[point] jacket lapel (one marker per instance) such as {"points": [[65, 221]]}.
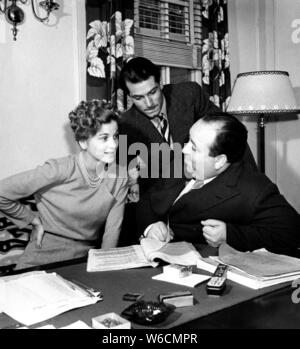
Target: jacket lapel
{"points": [[149, 131], [176, 111], [162, 200], [212, 194]]}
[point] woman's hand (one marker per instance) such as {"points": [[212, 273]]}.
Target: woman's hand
{"points": [[37, 231]]}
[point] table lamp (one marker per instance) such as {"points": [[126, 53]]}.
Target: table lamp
{"points": [[262, 93]]}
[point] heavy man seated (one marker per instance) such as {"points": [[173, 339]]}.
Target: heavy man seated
{"points": [[224, 200]]}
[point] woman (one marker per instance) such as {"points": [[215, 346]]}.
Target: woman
{"points": [[80, 198]]}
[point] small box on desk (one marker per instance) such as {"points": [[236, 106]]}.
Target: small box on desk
{"points": [[110, 321], [177, 270], [178, 299]]}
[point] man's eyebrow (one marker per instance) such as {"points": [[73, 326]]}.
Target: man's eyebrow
{"points": [[154, 88]]}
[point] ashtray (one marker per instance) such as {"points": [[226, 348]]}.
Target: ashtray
{"points": [[146, 313]]}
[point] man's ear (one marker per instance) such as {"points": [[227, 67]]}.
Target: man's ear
{"points": [[221, 161], [83, 145]]}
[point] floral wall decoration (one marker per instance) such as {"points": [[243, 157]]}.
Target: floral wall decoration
{"points": [[215, 52], [109, 45]]}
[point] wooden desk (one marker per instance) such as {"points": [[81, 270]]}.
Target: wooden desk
{"points": [[268, 308], [274, 310]]}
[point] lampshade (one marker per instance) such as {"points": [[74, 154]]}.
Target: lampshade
{"points": [[266, 92]]}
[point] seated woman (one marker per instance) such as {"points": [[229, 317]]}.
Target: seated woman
{"points": [[80, 198]]}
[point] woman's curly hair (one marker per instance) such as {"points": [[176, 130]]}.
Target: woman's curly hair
{"points": [[87, 118]]}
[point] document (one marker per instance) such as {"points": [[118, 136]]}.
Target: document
{"points": [[257, 269], [143, 255], [78, 325], [261, 263], [37, 296], [190, 280]]}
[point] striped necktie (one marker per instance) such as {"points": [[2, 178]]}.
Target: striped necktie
{"points": [[163, 125]]}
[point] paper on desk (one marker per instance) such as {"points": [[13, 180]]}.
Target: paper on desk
{"points": [[189, 281], [259, 263], [76, 326], [46, 327], [33, 297]]}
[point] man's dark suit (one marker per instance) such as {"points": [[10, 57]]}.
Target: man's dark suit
{"points": [[256, 214]]}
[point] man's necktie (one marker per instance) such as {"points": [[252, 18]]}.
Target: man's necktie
{"points": [[164, 128]]}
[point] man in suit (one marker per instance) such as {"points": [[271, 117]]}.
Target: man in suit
{"points": [[224, 201]]}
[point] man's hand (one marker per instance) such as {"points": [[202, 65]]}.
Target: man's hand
{"points": [[214, 231], [160, 231], [37, 231]]}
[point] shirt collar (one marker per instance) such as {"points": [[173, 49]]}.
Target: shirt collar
{"points": [[205, 181], [208, 180]]}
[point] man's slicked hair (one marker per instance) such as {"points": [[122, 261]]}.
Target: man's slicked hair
{"points": [[138, 69], [231, 137]]}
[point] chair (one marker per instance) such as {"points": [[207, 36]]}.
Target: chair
{"points": [[13, 240]]}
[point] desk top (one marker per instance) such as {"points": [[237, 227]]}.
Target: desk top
{"points": [[207, 312]]}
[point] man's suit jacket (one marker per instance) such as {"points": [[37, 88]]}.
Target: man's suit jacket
{"points": [[256, 214], [186, 103]]}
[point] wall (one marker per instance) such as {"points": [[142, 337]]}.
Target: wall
{"points": [[265, 35], [42, 78]]}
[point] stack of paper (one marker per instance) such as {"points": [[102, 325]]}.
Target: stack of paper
{"points": [[255, 269], [37, 296]]}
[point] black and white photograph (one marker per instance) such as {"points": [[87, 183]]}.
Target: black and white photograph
{"points": [[150, 176]]}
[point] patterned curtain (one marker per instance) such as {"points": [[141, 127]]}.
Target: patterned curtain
{"points": [[215, 51], [110, 43]]}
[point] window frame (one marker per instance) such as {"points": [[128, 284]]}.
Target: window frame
{"points": [[164, 18]]}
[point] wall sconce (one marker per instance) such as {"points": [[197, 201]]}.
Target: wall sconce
{"points": [[15, 15]]}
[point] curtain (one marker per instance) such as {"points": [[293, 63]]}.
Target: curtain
{"points": [[215, 52], [109, 44]]}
